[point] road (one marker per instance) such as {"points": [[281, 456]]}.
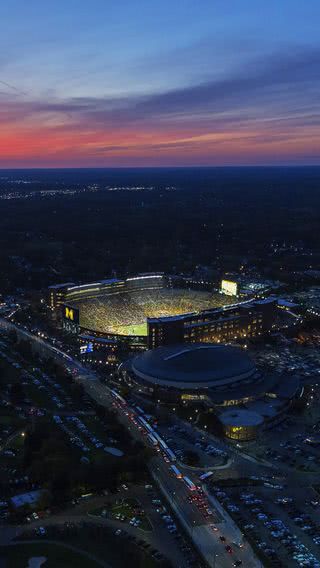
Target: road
{"points": [[205, 540]]}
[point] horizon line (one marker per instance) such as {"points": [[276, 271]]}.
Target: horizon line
{"points": [[231, 166]]}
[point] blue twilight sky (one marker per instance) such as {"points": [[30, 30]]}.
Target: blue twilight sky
{"points": [[159, 83]]}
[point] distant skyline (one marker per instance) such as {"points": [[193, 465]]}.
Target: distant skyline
{"points": [[145, 83]]}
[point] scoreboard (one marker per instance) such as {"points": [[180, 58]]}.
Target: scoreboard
{"points": [[229, 287]]}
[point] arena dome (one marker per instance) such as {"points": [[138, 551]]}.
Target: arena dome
{"points": [[194, 366]]}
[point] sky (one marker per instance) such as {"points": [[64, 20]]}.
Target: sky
{"points": [[104, 83]]}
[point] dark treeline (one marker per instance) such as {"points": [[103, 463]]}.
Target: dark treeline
{"points": [[215, 217]]}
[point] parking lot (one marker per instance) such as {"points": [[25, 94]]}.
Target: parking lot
{"points": [[284, 525], [182, 441], [81, 436], [290, 359], [294, 444]]}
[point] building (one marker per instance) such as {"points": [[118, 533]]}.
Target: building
{"points": [[199, 371], [243, 320], [99, 350], [84, 309], [216, 376], [57, 295], [240, 424], [23, 499]]}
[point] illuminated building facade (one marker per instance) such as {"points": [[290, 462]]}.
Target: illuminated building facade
{"points": [[241, 425], [220, 325], [99, 351], [57, 295]]}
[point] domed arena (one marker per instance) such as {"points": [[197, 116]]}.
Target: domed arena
{"points": [[220, 374], [199, 365]]}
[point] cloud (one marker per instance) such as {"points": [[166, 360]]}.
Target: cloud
{"points": [[264, 81], [270, 105], [276, 80]]}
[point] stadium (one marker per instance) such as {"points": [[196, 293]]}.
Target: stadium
{"points": [[124, 308], [150, 310], [127, 313]]}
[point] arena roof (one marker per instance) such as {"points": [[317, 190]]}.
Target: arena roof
{"points": [[257, 385], [194, 365], [58, 286], [240, 418]]}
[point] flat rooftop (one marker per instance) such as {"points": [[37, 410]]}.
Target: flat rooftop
{"points": [[240, 417], [26, 498]]}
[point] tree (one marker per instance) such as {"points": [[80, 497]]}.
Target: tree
{"points": [[24, 347], [191, 458], [44, 500], [13, 336], [17, 393], [61, 487]]}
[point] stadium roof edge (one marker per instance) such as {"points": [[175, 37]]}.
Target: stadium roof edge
{"points": [[64, 285]]}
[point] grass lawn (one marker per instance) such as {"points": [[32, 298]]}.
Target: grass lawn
{"points": [[99, 541], [116, 550], [98, 512], [17, 556], [9, 419], [138, 329], [17, 443]]}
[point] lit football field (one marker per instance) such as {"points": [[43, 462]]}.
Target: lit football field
{"points": [[139, 329]]}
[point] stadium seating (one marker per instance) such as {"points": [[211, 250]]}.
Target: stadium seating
{"points": [[119, 313]]}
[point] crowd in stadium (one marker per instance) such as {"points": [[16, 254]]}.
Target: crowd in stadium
{"points": [[112, 314]]}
